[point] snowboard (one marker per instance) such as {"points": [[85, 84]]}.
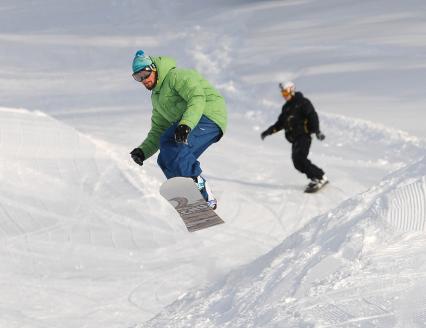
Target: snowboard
{"points": [[183, 194], [310, 189]]}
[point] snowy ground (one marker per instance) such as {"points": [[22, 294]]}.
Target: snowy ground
{"points": [[85, 237]]}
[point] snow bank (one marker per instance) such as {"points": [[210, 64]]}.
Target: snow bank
{"points": [[71, 223], [352, 265]]}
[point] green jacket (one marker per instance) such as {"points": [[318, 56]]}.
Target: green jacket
{"points": [[181, 95]]}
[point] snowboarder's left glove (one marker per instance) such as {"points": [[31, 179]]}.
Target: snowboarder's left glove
{"points": [[320, 136], [181, 133], [138, 156]]}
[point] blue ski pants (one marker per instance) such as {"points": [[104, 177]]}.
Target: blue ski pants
{"points": [[181, 160]]}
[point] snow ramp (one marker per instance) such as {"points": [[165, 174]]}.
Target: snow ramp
{"points": [[74, 230]]}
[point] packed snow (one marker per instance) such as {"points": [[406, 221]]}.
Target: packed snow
{"points": [[86, 240]]}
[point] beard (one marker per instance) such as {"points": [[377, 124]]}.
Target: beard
{"points": [[150, 86]]}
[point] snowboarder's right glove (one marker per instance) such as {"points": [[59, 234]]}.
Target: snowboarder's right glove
{"points": [[320, 136], [138, 156], [267, 132], [181, 133]]}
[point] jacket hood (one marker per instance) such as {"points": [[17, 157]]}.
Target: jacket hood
{"points": [[164, 64], [298, 95]]}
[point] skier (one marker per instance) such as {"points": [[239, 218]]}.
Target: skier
{"points": [[188, 115], [299, 120]]}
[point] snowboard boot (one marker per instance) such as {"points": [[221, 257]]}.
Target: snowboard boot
{"points": [[205, 191], [321, 182], [316, 184]]}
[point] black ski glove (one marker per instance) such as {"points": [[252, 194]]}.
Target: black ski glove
{"points": [[267, 132], [181, 133], [138, 156], [320, 136]]}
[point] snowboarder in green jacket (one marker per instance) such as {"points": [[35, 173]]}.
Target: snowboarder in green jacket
{"points": [[188, 115]]}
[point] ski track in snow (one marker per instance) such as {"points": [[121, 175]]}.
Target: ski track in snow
{"points": [[405, 208]]}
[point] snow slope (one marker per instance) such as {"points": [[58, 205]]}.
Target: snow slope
{"points": [[79, 221], [360, 265], [86, 239]]}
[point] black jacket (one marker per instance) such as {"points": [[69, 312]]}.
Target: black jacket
{"points": [[298, 117]]}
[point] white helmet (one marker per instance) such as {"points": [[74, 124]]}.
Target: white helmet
{"points": [[289, 87]]}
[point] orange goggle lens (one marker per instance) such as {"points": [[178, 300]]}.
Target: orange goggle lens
{"points": [[286, 92]]}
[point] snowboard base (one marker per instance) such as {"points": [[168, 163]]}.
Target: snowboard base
{"points": [[184, 196]]}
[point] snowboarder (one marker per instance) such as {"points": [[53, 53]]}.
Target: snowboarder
{"points": [[299, 120], [188, 115]]}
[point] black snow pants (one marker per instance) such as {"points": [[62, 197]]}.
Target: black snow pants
{"points": [[299, 155]]}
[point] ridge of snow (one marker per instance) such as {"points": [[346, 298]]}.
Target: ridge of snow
{"points": [[316, 274]]}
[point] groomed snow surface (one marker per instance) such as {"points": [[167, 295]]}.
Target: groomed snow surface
{"points": [[86, 240]]}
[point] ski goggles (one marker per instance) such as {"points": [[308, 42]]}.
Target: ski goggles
{"points": [[142, 75]]}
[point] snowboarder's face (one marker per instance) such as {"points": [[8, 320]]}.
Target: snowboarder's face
{"points": [[150, 81], [286, 94]]}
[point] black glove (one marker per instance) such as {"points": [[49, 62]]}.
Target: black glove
{"points": [[181, 133], [320, 136], [267, 132], [138, 156]]}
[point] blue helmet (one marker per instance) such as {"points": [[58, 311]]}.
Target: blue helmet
{"points": [[141, 61]]}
